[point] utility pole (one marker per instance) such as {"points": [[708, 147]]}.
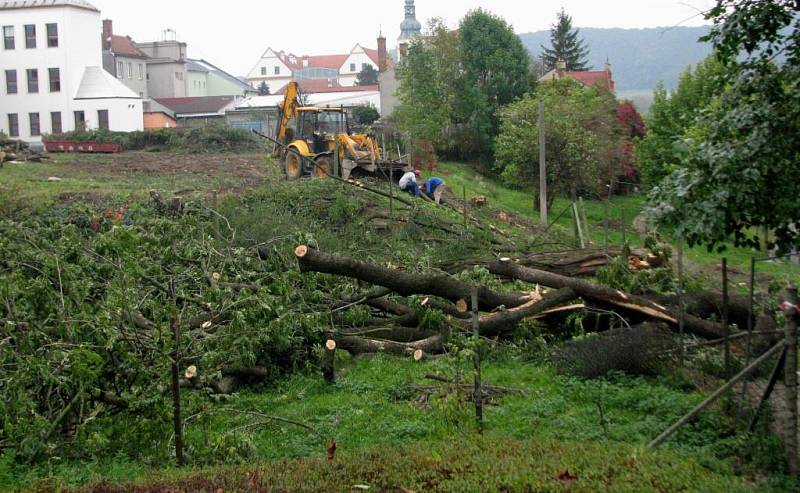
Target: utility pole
{"points": [[542, 167]]}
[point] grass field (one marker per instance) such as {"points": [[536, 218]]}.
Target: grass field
{"points": [[622, 210], [389, 438]]}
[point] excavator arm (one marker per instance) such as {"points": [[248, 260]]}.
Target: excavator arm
{"points": [[288, 109]]}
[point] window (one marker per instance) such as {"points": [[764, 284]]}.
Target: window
{"points": [[120, 70], [277, 70], [130, 70], [8, 37], [141, 71], [52, 35], [13, 125], [80, 120], [55, 123], [33, 80], [35, 127], [11, 81], [55, 79], [30, 36], [352, 67], [102, 119], [263, 70]]}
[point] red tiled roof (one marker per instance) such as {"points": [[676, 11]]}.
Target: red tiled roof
{"points": [[595, 78], [124, 45], [322, 85], [322, 61]]}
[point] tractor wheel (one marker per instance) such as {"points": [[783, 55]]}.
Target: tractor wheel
{"points": [[293, 164], [324, 167]]}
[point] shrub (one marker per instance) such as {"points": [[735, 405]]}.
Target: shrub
{"points": [[210, 138]]}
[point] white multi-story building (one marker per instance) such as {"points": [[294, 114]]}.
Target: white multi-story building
{"points": [[276, 68], [51, 75]]}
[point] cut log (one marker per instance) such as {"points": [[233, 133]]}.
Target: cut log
{"points": [[359, 345], [404, 283], [390, 333], [638, 304], [497, 323]]}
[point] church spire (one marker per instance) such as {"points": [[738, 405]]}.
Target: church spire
{"points": [[410, 27]]}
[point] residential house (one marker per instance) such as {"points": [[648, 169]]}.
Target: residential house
{"points": [[52, 76], [277, 68], [123, 59], [602, 79], [206, 79]]}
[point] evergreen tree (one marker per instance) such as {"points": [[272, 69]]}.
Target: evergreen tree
{"points": [[367, 77], [566, 45], [263, 89]]}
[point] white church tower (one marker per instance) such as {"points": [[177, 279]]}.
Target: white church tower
{"points": [[410, 28]]}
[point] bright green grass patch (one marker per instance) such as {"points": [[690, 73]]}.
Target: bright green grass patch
{"points": [[532, 438]]}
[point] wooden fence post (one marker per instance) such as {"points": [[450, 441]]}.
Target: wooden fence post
{"points": [[477, 395], [328, 361], [725, 318], [790, 381]]}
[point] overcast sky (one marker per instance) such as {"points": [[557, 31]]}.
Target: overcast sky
{"points": [[234, 33]]}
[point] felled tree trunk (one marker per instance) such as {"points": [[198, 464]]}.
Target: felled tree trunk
{"points": [[359, 345], [638, 304], [496, 323], [403, 283]]}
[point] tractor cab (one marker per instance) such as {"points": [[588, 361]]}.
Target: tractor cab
{"points": [[318, 127]]}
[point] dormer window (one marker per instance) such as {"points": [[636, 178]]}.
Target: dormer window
{"points": [[277, 70]]}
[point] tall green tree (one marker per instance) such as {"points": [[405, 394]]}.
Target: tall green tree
{"points": [[428, 75], [672, 114], [494, 72], [263, 89], [565, 44], [582, 135], [741, 173], [367, 77]]}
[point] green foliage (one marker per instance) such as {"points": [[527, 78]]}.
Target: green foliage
{"points": [[452, 85], [565, 45], [582, 137], [365, 114], [367, 77], [209, 138], [263, 89], [739, 173], [672, 114], [427, 90], [495, 72]]}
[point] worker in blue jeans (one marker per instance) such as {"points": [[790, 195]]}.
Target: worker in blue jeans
{"points": [[433, 188], [409, 184]]}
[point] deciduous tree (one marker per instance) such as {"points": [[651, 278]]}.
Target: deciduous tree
{"points": [[741, 171], [582, 135]]}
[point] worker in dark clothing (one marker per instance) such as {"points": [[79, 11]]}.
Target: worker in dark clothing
{"points": [[433, 188]]}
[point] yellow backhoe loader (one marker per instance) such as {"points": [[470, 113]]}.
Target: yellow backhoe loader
{"points": [[315, 141]]}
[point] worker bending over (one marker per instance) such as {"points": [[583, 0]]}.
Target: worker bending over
{"points": [[408, 182], [433, 189]]}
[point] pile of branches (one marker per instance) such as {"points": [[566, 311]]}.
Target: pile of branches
{"points": [[400, 330]]}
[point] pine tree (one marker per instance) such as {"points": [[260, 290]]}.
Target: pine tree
{"points": [[566, 45], [263, 89]]}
